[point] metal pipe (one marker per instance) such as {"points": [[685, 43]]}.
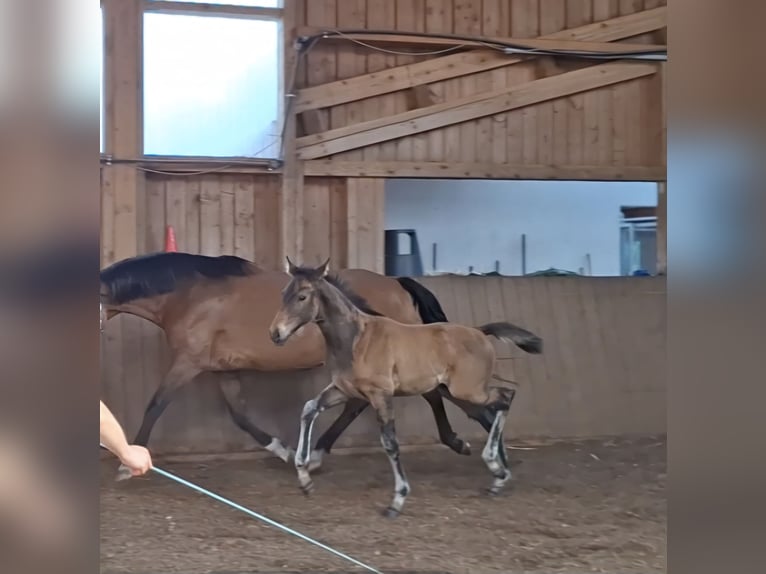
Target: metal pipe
{"points": [[523, 253]]}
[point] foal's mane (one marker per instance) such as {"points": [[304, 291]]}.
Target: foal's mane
{"points": [[333, 279], [160, 273]]}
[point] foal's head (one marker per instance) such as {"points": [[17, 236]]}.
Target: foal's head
{"points": [[300, 301]]}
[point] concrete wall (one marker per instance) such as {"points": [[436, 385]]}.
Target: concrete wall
{"points": [[478, 222], [602, 372]]}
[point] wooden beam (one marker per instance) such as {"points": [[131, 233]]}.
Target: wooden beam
{"points": [[292, 195], [662, 228], [202, 9], [438, 170], [456, 65], [124, 122], [469, 108]]}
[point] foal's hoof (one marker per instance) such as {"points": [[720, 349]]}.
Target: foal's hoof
{"points": [[123, 473], [390, 512], [307, 488]]}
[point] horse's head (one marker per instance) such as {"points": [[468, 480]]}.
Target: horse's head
{"points": [[300, 301]]}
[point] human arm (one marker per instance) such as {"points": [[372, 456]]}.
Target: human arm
{"points": [[135, 457]]}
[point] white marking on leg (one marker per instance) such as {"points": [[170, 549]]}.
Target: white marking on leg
{"points": [[491, 453], [278, 449]]}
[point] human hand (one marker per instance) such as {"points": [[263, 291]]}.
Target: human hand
{"points": [[137, 459]]}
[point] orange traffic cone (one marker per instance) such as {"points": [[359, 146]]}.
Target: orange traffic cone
{"points": [[170, 240]]}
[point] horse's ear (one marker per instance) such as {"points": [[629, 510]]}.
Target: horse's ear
{"points": [[324, 268], [289, 267]]}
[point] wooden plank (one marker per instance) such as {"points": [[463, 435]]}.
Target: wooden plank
{"points": [[227, 215], [438, 20], [175, 209], [662, 228], [467, 22], [451, 170], [525, 24], [317, 213], [551, 116], [353, 207], [244, 217], [496, 22], [368, 232], [218, 10], [107, 216], [381, 15], [477, 106], [210, 216], [156, 206], [456, 65], [338, 222], [267, 223], [579, 13], [193, 202], [352, 61]]}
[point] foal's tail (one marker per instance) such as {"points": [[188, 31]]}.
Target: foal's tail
{"points": [[427, 304], [522, 338]]}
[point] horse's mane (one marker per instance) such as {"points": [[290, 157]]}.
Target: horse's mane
{"points": [[334, 279], [160, 273]]}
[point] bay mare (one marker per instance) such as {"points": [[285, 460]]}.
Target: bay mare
{"points": [[375, 358], [215, 313]]}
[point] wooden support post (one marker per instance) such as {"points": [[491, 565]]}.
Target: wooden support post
{"points": [[291, 196], [662, 228], [124, 125]]}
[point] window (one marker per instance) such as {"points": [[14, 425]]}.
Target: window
{"points": [[638, 246], [212, 85]]}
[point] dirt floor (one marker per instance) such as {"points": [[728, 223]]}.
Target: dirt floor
{"points": [[596, 506]]}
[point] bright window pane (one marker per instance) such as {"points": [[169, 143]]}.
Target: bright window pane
{"points": [[257, 3], [211, 86]]}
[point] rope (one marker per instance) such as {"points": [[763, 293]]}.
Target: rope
{"points": [[261, 517]]}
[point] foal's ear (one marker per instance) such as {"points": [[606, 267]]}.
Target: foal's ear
{"points": [[289, 266], [324, 268]]}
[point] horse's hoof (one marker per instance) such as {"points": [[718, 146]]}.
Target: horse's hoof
{"points": [[465, 449], [308, 488], [390, 512], [492, 491], [315, 460], [123, 473]]}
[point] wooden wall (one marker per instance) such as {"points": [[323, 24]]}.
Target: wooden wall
{"points": [[602, 372], [618, 125], [239, 214]]}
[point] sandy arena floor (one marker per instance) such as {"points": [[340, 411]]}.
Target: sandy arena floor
{"points": [[596, 506]]}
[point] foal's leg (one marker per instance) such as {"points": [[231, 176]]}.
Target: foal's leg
{"points": [[383, 404], [446, 434], [355, 407], [500, 402], [231, 389], [351, 411], [180, 373], [329, 397]]}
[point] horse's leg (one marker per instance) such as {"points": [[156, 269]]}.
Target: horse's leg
{"points": [[484, 415], [180, 373], [351, 411], [446, 434], [491, 452], [329, 397], [383, 404], [231, 388]]}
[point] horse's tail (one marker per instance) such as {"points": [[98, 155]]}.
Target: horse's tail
{"points": [[427, 304], [522, 338]]}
